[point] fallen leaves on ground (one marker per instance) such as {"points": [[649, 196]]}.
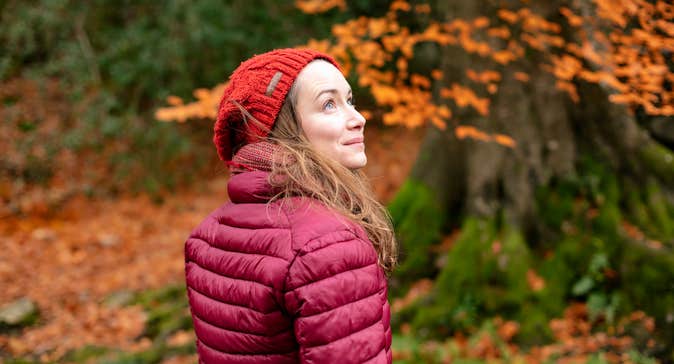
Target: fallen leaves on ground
{"points": [[71, 261]]}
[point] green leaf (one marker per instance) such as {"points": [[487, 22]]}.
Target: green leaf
{"points": [[583, 286], [596, 304]]}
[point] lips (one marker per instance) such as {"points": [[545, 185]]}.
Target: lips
{"points": [[354, 141]]}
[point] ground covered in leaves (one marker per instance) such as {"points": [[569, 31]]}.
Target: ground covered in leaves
{"points": [[107, 275]]}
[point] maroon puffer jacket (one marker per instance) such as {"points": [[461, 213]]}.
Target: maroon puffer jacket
{"points": [[285, 282]]}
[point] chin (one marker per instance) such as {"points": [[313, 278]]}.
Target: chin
{"points": [[356, 162]]}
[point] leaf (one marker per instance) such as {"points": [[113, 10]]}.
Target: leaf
{"points": [[319, 6], [174, 100], [418, 289], [463, 132], [536, 282], [583, 286], [573, 19], [596, 303], [507, 15], [521, 76], [598, 262], [400, 5], [422, 8], [500, 32]]}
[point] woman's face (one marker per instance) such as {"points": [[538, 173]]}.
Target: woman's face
{"points": [[328, 116]]}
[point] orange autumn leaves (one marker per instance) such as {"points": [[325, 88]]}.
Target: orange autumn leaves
{"points": [[380, 50], [205, 107], [631, 62], [315, 7]]}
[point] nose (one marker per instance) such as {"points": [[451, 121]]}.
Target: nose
{"points": [[356, 120]]}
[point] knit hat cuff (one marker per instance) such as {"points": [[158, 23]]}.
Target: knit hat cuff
{"points": [[259, 85]]}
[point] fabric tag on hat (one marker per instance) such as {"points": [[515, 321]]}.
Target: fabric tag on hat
{"points": [[272, 84]]}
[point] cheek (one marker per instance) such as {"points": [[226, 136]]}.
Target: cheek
{"points": [[322, 133]]}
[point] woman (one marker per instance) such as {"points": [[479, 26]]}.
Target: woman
{"points": [[293, 269]]}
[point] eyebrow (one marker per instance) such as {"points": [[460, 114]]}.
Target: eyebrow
{"points": [[331, 90]]}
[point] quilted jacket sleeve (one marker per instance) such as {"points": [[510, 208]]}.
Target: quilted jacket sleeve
{"points": [[336, 293]]}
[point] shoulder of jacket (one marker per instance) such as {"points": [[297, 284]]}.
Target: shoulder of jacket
{"points": [[245, 218], [325, 244], [250, 216], [310, 220]]}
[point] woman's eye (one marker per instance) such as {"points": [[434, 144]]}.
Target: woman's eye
{"points": [[329, 105], [351, 101]]}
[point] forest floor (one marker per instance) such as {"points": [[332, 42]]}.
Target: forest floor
{"points": [[89, 265]]}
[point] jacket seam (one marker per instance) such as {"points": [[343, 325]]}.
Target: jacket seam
{"points": [[218, 219], [290, 264], [331, 276], [249, 227], [226, 276], [299, 251], [237, 331], [228, 303], [244, 354], [345, 304], [377, 353], [345, 336], [235, 251], [345, 240]]}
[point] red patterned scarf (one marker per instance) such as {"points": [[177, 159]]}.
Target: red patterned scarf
{"points": [[254, 157]]}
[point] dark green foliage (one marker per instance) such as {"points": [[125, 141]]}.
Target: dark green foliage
{"points": [[418, 222], [117, 61], [484, 272], [167, 310], [144, 50], [85, 354], [660, 160], [20, 361], [588, 256]]}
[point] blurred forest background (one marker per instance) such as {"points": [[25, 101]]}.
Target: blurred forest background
{"points": [[525, 149]]}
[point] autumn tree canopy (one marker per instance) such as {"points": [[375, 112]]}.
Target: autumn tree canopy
{"points": [[622, 45]]}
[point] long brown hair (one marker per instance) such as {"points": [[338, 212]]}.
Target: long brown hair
{"points": [[300, 170]]}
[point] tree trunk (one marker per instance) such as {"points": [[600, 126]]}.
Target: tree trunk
{"points": [[585, 180]]}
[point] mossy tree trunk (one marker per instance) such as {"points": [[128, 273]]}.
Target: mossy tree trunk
{"points": [[585, 201]]}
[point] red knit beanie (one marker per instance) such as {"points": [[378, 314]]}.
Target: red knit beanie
{"points": [[260, 86]]}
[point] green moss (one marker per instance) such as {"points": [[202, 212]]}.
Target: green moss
{"points": [[580, 261], [485, 273], [659, 160], [556, 202], [559, 271], [534, 325], [609, 215], [167, 310], [661, 217], [152, 356], [636, 207], [418, 218], [648, 208], [647, 283], [84, 354], [19, 361], [516, 261], [467, 266], [586, 257]]}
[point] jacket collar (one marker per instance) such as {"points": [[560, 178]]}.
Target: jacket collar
{"points": [[250, 187]]}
